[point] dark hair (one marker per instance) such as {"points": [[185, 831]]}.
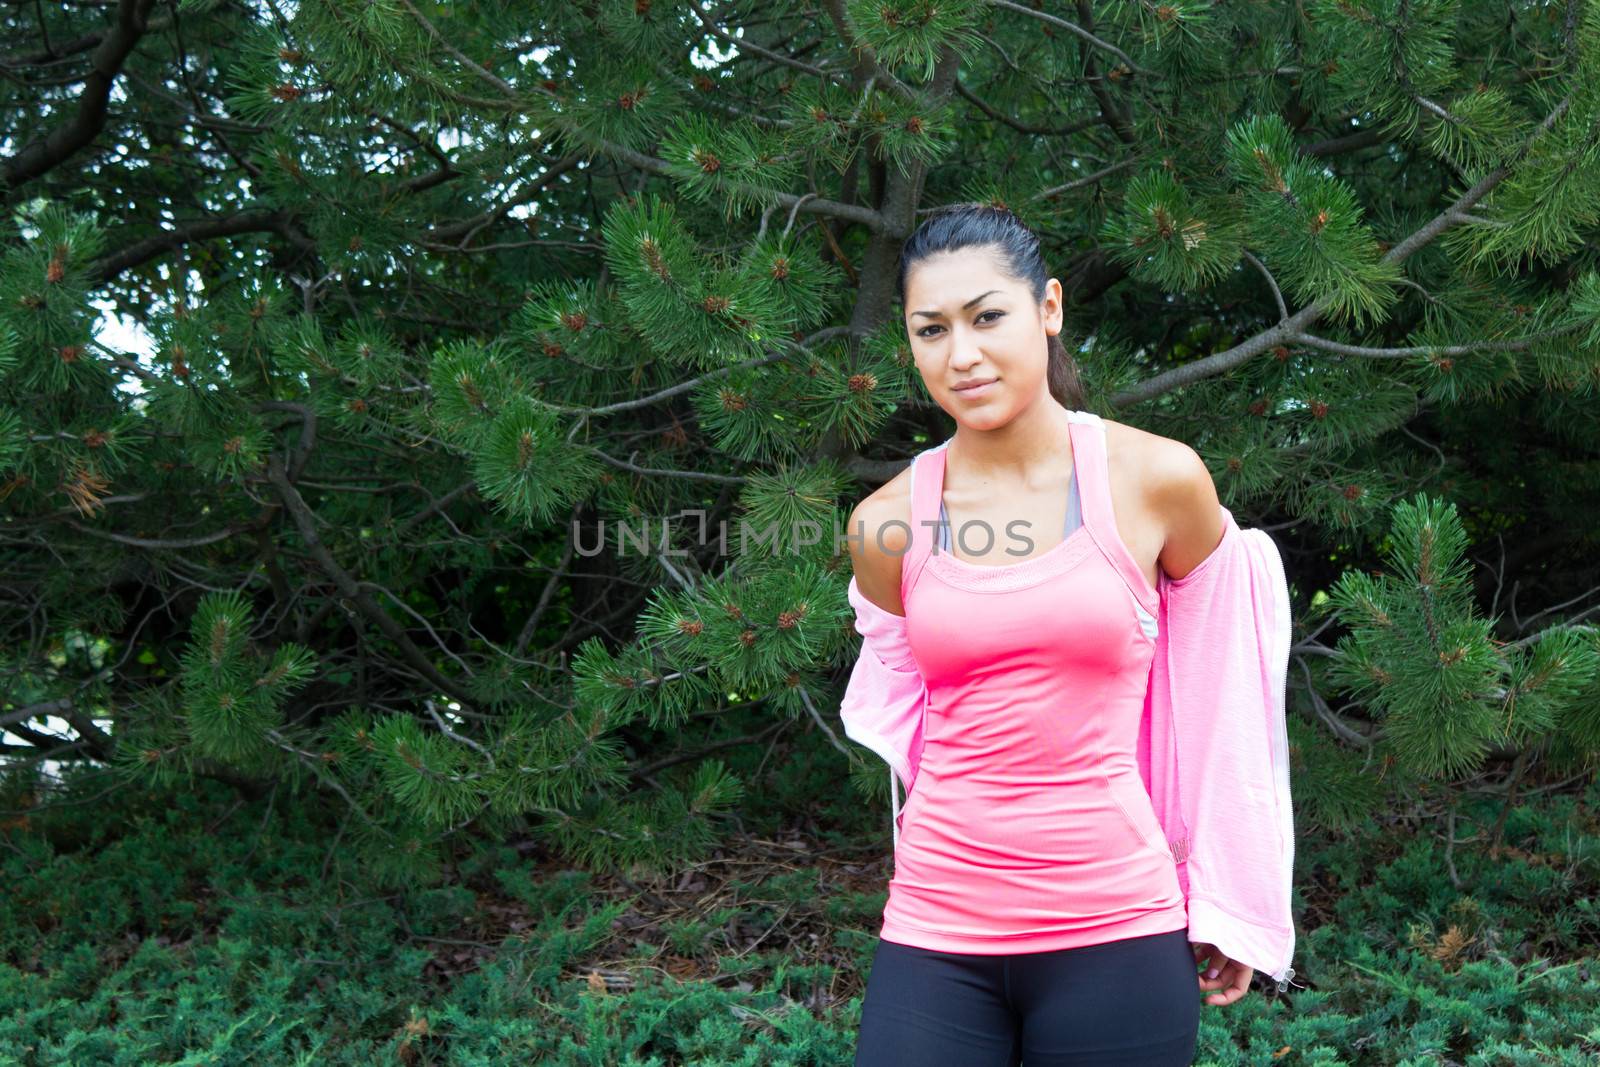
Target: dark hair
{"points": [[973, 225]]}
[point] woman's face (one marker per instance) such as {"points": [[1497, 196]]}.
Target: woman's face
{"points": [[968, 321]]}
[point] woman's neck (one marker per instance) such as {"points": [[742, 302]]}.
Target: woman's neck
{"points": [[1028, 448]]}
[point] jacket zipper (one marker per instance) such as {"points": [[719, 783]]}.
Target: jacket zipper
{"points": [[1280, 735]]}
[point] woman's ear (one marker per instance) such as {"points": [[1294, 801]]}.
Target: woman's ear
{"points": [[1052, 309]]}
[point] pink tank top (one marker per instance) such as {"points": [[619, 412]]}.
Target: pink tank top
{"points": [[1028, 827]]}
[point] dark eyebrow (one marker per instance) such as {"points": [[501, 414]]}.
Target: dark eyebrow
{"points": [[969, 303]]}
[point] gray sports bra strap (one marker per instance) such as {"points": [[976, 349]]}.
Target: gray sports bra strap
{"points": [[1073, 521]]}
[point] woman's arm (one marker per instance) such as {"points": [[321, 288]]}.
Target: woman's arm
{"points": [[877, 543], [1186, 498]]}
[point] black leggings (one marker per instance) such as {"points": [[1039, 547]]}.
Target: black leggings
{"points": [[1134, 1001]]}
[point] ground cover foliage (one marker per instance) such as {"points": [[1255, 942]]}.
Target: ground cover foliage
{"points": [[435, 296], [188, 926]]}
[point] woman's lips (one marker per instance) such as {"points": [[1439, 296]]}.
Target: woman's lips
{"points": [[976, 390]]}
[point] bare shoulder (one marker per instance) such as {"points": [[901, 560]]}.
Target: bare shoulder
{"points": [[879, 532], [1162, 466], [1177, 489]]}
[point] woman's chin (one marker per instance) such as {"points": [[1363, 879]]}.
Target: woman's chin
{"points": [[982, 417]]}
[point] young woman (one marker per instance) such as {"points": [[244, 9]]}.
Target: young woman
{"points": [[1034, 915]]}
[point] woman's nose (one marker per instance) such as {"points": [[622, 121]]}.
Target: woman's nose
{"points": [[964, 352]]}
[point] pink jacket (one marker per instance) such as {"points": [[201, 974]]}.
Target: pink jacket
{"points": [[1213, 745]]}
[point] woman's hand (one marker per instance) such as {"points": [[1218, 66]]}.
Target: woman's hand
{"points": [[1226, 979]]}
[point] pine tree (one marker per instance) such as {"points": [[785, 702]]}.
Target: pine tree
{"points": [[434, 290]]}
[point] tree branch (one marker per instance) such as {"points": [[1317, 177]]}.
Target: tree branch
{"points": [[39, 156], [57, 707], [1074, 28], [683, 386], [1088, 179], [1350, 142], [867, 65], [530, 626], [813, 205], [169, 543], [1341, 729], [1512, 345], [710, 23], [467, 228], [66, 49], [446, 169], [350, 589], [459, 56], [1277, 294], [1006, 120], [1290, 329], [700, 476], [128, 256], [1116, 119]]}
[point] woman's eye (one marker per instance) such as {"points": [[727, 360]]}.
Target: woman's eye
{"points": [[924, 331]]}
